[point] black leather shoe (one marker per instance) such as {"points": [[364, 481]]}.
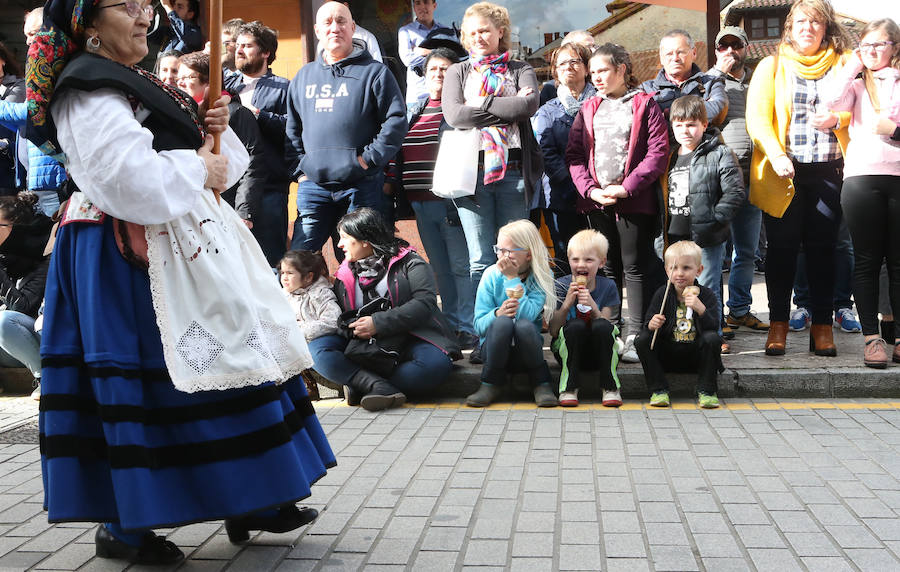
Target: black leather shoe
{"points": [[288, 518], [154, 550]]}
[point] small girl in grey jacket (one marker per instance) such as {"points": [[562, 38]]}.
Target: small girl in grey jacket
{"points": [[304, 277]]}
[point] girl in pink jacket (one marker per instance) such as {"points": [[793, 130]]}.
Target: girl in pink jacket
{"points": [[870, 196]]}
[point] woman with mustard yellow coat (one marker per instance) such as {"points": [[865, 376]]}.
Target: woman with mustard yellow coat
{"points": [[797, 164]]}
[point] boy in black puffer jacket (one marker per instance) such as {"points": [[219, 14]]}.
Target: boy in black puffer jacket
{"points": [[701, 190]]}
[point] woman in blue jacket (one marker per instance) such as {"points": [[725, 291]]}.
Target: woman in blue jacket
{"points": [[551, 125]]}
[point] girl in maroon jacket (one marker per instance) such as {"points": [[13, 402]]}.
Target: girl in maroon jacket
{"points": [[617, 179]]}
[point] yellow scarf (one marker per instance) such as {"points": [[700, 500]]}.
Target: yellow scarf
{"points": [[809, 67]]}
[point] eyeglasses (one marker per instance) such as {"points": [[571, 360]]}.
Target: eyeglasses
{"points": [[187, 77], [133, 9], [506, 251], [877, 46], [733, 45], [570, 64]]}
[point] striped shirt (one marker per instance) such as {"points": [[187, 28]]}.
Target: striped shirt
{"points": [[805, 143], [420, 149]]}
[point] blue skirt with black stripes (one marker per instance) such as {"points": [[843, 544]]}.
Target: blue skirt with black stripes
{"points": [[119, 443]]}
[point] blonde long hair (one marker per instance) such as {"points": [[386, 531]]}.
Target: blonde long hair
{"points": [[524, 234]]}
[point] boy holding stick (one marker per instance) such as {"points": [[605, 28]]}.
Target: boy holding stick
{"points": [[680, 330]]}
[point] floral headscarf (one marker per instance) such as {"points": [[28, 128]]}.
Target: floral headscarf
{"points": [[60, 37]]}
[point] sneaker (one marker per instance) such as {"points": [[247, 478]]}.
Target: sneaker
{"points": [[544, 397], [475, 356], [726, 348], [727, 332], [659, 399], [36, 394], [619, 345], [708, 400], [748, 320], [800, 319], [759, 266], [569, 398], [629, 354], [612, 398], [846, 320]]}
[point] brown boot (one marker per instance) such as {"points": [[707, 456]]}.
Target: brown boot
{"points": [[821, 340], [777, 339]]}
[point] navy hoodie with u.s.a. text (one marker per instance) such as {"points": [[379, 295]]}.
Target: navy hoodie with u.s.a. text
{"points": [[337, 112]]}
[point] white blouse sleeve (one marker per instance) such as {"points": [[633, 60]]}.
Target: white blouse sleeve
{"points": [[110, 157]]}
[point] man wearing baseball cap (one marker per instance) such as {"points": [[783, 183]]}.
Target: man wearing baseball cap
{"points": [[731, 51]]}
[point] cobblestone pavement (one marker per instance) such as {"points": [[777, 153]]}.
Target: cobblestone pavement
{"points": [[764, 485]]}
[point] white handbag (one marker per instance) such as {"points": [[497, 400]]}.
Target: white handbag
{"points": [[456, 168]]}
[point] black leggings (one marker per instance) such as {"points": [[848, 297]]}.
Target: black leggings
{"points": [[812, 219], [632, 256], [871, 204]]}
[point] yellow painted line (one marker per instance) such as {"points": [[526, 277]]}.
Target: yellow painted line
{"points": [[500, 406], [638, 405]]}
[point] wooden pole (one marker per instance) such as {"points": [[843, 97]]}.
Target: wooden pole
{"points": [[215, 64], [661, 308]]}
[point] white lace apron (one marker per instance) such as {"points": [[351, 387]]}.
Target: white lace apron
{"points": [[223, 319]]}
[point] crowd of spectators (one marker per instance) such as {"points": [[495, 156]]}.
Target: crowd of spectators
{"points": [[756, 166]]}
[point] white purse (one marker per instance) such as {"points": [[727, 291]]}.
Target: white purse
{"points": [[456, 168]]}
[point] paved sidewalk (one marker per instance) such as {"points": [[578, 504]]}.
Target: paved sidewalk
{"points": [[757, 485]]}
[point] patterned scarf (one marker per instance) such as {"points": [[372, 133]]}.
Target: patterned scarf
{"points": [[495, 138], [569, 102], [59, 38], [369, 272]]}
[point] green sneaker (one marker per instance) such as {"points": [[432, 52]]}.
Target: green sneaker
{"points": [[708, 400], [659, 399]]}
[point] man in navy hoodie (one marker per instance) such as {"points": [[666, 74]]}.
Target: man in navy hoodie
{"points": [[345, 120], [265, 94]]}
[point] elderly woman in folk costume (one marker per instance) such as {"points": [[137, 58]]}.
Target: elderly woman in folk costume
{"points": [[170, 385]]}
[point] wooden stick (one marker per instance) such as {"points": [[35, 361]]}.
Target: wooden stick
{"points": [[215, 65], [661, 308]]}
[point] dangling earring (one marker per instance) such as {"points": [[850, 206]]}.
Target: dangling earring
{"points": [[93, 43]]}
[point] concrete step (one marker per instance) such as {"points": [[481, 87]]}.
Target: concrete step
{"points": [[748, 373]]}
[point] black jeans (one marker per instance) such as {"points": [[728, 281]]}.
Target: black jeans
{"points": [[812, 219], [587, 348], [871, 204], [703, 356], [501, 356], [632, 258]]}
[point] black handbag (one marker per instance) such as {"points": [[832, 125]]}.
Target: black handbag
{"points": [[379, 354]]}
